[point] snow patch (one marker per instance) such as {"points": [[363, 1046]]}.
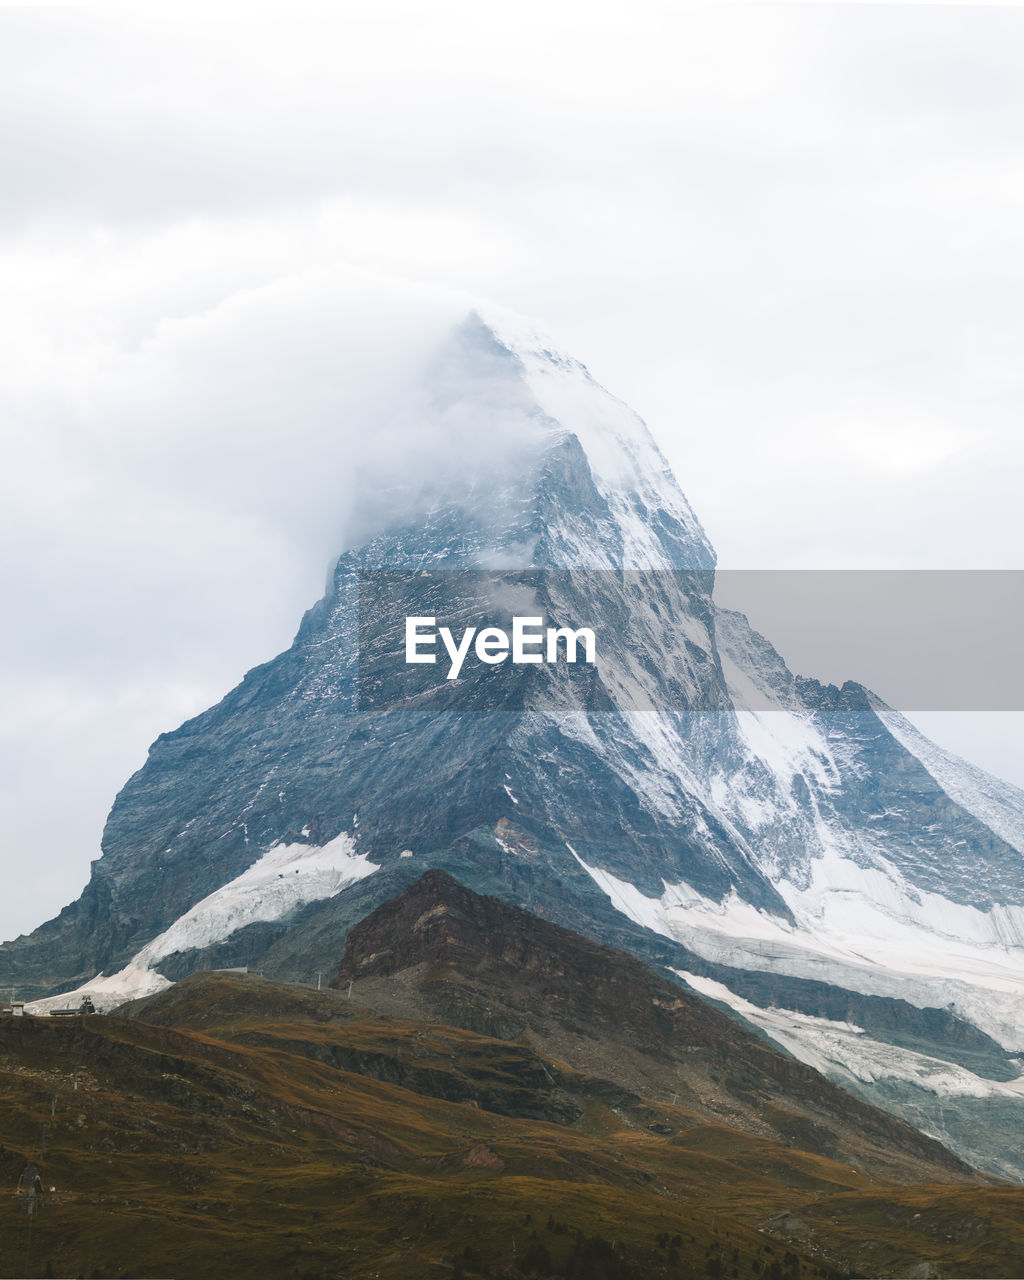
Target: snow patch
{"points": [[286, 877], [857, 928], [130, 983], [843, 1051]]}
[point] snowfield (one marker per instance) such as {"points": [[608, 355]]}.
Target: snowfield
{"points": [[129, 983], [286, 877], [841, 1050], [858, 930]]}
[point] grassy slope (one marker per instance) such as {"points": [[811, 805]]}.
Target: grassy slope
{"points": [[237, 1146]]}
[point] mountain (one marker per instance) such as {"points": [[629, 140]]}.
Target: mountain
{"points": [[795, 852]]}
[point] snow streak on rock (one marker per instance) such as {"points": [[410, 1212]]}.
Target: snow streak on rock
{"points": [[846, 1052]]}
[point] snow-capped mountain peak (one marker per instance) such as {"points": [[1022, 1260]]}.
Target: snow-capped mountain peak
{"points": [[686, 797]]}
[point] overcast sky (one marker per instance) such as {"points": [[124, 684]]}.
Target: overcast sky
{"points": [[790, 236]]}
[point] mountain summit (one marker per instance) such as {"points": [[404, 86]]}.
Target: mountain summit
{"points": [[794, 851]]}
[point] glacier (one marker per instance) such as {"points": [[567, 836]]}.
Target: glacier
{"points": [[284, 878], [845, 1052]]}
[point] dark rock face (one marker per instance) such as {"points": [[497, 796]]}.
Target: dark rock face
{"points": [[530, 965], [440, 951]]}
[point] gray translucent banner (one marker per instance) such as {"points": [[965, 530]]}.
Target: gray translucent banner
{"points": [[642, 640], [925, 640]]}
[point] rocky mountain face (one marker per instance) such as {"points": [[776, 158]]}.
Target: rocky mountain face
{"points": [[441, 953], [796, 852]]}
